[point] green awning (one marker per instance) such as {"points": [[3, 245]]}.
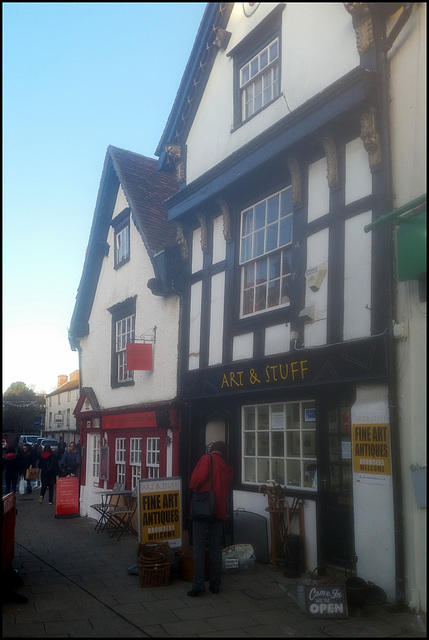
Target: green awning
{"points": [[410, 237]]}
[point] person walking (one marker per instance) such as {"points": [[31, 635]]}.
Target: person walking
{"points": [[27, 462], [70, 461], [49, 470], [12, 465], [210, 532]]}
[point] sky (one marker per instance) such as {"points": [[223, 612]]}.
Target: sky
{"points": [[77, 77]]}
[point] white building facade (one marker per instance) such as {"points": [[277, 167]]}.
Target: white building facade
{"points": [[288, 151]]}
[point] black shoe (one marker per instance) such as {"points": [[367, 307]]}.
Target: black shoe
{"points": [[195, 592], [29, 491], [214, 589]]}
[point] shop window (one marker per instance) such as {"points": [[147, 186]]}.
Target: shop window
{"points": [[279, 444], [120, 452], [266, 254], [152, 457], [135, 460]]}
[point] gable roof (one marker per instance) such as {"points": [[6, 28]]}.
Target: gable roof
{"points": [[194, 79], [146, 190]]}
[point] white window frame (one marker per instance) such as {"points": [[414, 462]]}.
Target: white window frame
{"points": [[260, 80], [124, 332], [135, 460], [266, 236], [153, 451], [279, 443], [120, 459], [96, 457], [122, 244]]}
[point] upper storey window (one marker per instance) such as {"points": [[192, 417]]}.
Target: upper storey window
{"points": [[265, 253], [121, 225], [257, 67], [260, 80]]}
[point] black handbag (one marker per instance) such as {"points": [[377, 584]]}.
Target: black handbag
{"points": [[203, 505]]}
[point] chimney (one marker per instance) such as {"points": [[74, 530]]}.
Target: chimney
{"points": [[62, 380]]}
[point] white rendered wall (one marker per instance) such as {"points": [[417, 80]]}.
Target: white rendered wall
{"points": [[357, 278], [216, 318], [317, 31], [373, 503], [114, 286], [408, 60], [317, 253]]}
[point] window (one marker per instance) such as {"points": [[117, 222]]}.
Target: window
{"points": [[135, 460], [152, 457], [122, 245], [68, 417], [121, 225], [266, 253], [96, 457], [120, 460], [123, 330], [279, 443], [68, 396], [260, 80], [124, 334]]}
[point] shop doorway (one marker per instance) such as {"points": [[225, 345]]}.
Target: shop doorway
{"points": [[335, 506]]}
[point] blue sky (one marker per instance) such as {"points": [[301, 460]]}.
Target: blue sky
{"points": [[76, 78]]}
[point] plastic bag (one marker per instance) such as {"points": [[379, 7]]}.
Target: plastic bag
{"points": [[22, 484]]}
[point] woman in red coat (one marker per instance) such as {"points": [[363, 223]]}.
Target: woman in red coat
{"points": [[210, 532]]}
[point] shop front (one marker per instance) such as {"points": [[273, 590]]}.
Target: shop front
{"points": [[316, 423]]}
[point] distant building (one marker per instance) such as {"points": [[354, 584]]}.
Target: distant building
{"points": [[60, 421]]}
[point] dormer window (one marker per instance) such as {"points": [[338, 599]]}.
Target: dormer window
{"points": [[121, 225]]}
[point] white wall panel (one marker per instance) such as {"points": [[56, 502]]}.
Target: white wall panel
{"points": [[195, 325], [357, 278], [216, 318], [358, 174]]}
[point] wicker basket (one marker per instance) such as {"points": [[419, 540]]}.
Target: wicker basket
{"points": [[154, 571]]}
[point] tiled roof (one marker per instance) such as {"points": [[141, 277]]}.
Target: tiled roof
{"points": [[146, 190]]}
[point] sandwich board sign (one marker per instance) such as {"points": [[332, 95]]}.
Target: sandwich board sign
{"points": [[160, 510]]}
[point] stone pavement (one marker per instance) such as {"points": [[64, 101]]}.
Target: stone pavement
{"points": [[78, 584]]}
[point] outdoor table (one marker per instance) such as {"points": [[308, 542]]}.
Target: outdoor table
{"points": [[108, 503]]}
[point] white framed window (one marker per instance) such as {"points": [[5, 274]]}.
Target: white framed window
{"points": [[153, 448], [124, 333], [96, 457], [260, 79], [135, 460], [122, 245], [68, 417], [266, 253], [120, 452], [279, 443]]}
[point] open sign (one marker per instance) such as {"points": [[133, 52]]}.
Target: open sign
{"points": [[326, 601]]}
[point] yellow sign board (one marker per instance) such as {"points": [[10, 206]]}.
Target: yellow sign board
{"points": [[371, 449], [160, 510]]}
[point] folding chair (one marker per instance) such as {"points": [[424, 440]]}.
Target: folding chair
{"points": [[120, 519], [106, 505]]}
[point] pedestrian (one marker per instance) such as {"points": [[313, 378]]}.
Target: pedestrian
{"points": [[12, 466], [49, 470], [210, 533], [61, 448], [70, 461], [28, 461]]}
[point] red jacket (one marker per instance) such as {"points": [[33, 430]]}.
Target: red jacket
{"points": [[222, 479]]}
